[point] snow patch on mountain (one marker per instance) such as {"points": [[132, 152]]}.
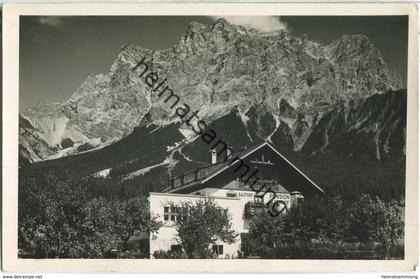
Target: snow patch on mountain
{"points": [[278, 121], [103, 173]]}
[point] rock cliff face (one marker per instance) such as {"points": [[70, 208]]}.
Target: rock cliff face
{"points": [[373, 127], [298, 94]]}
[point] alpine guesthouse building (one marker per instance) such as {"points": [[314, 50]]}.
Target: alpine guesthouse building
{"points": [[223, 181]]}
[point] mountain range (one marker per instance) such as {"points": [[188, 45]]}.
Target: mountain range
{"points": [[300, 95]]}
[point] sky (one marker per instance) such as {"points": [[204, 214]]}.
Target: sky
{"points": [[58, 53]]}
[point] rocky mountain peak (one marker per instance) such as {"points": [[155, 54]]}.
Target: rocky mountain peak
{"points": [[197, 27], [351, 46], [222, 24]]}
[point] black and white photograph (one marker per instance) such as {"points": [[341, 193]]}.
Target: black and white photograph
{"points": [[240, 137]]}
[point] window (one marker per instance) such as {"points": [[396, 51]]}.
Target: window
{"points": [[170, 213], [258, 199], [231, 194], [218, 249]]}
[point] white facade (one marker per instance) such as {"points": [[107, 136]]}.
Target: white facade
{"points": [[233, 200]]}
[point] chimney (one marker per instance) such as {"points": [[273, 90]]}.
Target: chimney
{"points": [[214, 156], [228, 152]]}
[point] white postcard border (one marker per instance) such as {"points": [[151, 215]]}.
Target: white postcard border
{"points": [[11, 13]]}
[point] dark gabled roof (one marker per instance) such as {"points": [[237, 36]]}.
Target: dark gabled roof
{"points": [[208, 172]]}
